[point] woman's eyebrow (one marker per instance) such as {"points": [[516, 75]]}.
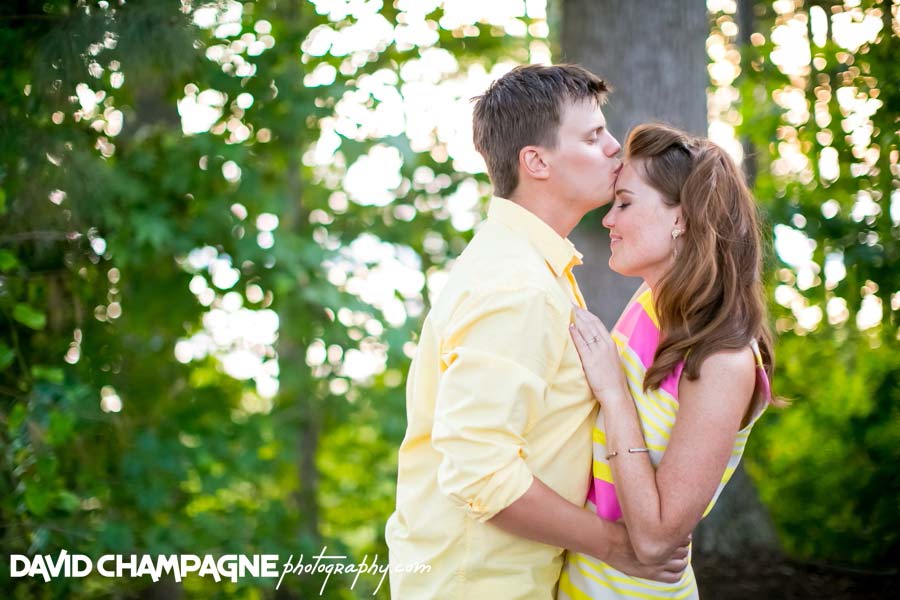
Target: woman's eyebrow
{"points": [[624, 191]]}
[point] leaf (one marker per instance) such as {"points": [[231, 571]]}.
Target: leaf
{"points": [[6, 356], [117, 536], [29, 316], [49, 374], [16, 417], [37, 499], [152, 230], [8, 260], [60, 427], [68, 501]]}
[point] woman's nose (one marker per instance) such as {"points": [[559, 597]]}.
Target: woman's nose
{"points": [[608, 221]]}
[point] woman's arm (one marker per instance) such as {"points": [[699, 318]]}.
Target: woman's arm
{"points": [[544, 516], [661, 506]]}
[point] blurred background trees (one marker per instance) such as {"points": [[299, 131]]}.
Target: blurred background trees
{"points": [[221, 224], [821, 116]]}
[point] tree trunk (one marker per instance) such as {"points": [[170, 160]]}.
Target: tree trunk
{"points": [[654, 55], [655, 59]]}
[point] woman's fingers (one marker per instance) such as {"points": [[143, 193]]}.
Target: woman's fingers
{"points": [[590, 320], [580, 344], [676, 565], [590, 327]]}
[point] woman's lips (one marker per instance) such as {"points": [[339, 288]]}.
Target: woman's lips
{"points": [[613, 239]]}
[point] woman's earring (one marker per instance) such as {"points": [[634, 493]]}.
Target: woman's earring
{"points": [[675, 234]]}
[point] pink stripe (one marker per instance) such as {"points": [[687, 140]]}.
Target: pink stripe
{"points": [[629, 318], [670, 383], [644, 339], [592, 494], [604, 498], [764, 383]]}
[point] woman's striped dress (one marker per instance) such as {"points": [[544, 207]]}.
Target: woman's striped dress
{"points": [[637, 336]]}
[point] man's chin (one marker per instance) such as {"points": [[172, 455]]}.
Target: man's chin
{"points": [[603, 200]]}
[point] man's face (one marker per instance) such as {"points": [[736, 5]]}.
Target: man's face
{"points": [[584, 163]]}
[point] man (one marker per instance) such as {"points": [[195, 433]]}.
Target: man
{"points": [[494, 468]]}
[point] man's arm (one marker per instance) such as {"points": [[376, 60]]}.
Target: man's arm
{"points": [[544, 516], [499, 350]]}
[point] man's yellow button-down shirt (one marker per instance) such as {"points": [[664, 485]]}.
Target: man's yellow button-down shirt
{"points": [[496, 396]]}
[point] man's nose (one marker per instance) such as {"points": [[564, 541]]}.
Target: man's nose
{"points": [[612, 146]]}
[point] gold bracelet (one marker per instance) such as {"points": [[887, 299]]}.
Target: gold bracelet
{"points": [[615, 453]]}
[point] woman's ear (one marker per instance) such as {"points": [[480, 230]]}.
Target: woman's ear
{"points": [[531, 161]]}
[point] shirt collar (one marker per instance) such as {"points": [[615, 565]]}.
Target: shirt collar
{"points": [[558, 251]]}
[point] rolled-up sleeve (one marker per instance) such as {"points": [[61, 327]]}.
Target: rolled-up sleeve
{"points": [[499, 350]]}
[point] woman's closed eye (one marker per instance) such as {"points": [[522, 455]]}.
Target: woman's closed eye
{"points": [[622, 205]]}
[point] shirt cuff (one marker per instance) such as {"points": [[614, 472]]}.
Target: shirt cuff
{"points": [[504, 487]]}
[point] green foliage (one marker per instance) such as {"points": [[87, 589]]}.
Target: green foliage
{"points": [[107, 443], [827, 465]]}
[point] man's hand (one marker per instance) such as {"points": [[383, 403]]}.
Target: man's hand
{"points": [[618, 553]]}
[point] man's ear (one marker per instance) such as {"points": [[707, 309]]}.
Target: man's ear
{"points": [[531, 160]]}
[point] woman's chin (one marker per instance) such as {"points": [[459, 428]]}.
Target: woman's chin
{"points": [[620, 269], [615, 268]]}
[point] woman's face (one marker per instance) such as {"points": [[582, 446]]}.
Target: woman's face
{"points": [[640, 227]]}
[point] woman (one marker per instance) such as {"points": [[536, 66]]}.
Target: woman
{"points": [[684, 375]]}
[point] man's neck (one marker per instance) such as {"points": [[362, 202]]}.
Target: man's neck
{"points": [[560, 217]]}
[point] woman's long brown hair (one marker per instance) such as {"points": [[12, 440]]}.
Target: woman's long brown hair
{"points": [[712, 296]]}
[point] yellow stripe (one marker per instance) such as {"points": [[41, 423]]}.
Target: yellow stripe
{"points": [[619, 339], [757, 354], [566, 586], [637, 381], [726, 476], [638, 394], [634, 593], [666, 403], [653, 411], [612, 574], [666, 418], [647, 412], [600, 438], [665, 398], [647, 302], [602, 471]]}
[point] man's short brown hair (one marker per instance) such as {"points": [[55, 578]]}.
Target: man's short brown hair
{"points": [[524, 108]]}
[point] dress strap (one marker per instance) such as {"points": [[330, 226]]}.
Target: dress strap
{"points": [[762, 380]]}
